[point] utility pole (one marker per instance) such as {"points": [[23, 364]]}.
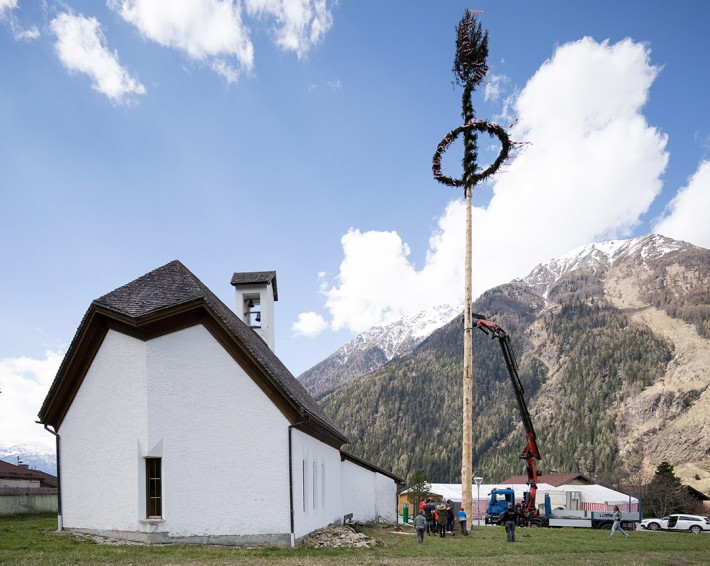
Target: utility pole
{"points": [[470, 69]]}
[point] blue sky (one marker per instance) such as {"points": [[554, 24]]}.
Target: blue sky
{"points": [[298, 136]]}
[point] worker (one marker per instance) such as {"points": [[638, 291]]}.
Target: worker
{"points": [[510, 519]]}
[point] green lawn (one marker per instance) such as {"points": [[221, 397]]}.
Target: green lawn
{"points": [[34, 540]]}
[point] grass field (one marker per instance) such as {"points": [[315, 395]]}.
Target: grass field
{"points": [[34, 540]]}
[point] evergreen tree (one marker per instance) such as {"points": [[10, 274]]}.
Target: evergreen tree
{"points": [[419, 488], [665, 493]]}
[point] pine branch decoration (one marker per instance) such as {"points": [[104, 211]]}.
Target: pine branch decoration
{"points": [[470, 69], [470, 66]]}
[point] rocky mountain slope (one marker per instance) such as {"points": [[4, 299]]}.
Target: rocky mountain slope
{"points": [[612, 344]]}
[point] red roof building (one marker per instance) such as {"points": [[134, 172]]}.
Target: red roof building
{"points": [[21, 476]]}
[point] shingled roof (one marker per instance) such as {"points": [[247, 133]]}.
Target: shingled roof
{"points": [[256, 278], [12, 472], [168, 299]]}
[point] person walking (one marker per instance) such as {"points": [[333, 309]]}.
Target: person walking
{"points": [[420, 524], [462, 521], [510, 519], [616, 517]]}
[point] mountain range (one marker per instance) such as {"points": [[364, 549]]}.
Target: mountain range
{"points": [[613, 350]]}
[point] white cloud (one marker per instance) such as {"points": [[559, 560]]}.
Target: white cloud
{"points": [[302, 23], [221, 67], [214, 31], [494, 86], [591, 170], [28, 34], [203, 29], [18, 32], [81, 47], [24, 383], [686, 216], [378, 284], [6, 6], [309, 324]]}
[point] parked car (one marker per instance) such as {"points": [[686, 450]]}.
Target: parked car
{"points": [[692, 523]]}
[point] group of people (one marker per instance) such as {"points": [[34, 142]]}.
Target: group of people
{"points": [[438, 519], [433, 519]]}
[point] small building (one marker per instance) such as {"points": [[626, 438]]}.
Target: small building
{"points": [[21, 476], [699, 499], [205, 434], [24, 491]]}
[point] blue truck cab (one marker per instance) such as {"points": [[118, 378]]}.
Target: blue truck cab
{"points": [[500, 498]]}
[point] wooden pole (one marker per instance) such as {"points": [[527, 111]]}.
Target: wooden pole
{"points": [[467, 441], [470, 68]]}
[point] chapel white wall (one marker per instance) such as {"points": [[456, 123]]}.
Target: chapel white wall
{"points": [[368, 495], [180, 397], [99, 435], [317, 480]]}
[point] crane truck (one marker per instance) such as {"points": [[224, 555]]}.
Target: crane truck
{"points": [[531, 452], [500, 497]]}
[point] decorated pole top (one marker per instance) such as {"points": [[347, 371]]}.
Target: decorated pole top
{"points": [[470, 65], [470, 69]]}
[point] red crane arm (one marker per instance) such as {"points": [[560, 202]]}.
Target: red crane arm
{"points": [[531, 452]]}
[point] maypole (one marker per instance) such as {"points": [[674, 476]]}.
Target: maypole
{"points": [[470, 68]]}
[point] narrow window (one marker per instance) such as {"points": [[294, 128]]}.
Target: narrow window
{"points": [[154, 488], [304, 486], [315, 483], [322, 483]]}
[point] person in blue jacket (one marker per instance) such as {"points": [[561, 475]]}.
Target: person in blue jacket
{"points": [[462, 521]]}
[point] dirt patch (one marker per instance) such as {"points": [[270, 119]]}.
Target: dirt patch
{"points": [[339, 537]]}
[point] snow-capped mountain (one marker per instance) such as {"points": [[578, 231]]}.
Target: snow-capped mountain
{"points": [[401, 336], [597, 258], [36, 456], [374, 348]]}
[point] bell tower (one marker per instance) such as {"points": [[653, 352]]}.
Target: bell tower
{"points": [[256, 295]]}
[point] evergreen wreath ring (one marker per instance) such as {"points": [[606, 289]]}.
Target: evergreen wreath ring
{"points": [[478, 126]]}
